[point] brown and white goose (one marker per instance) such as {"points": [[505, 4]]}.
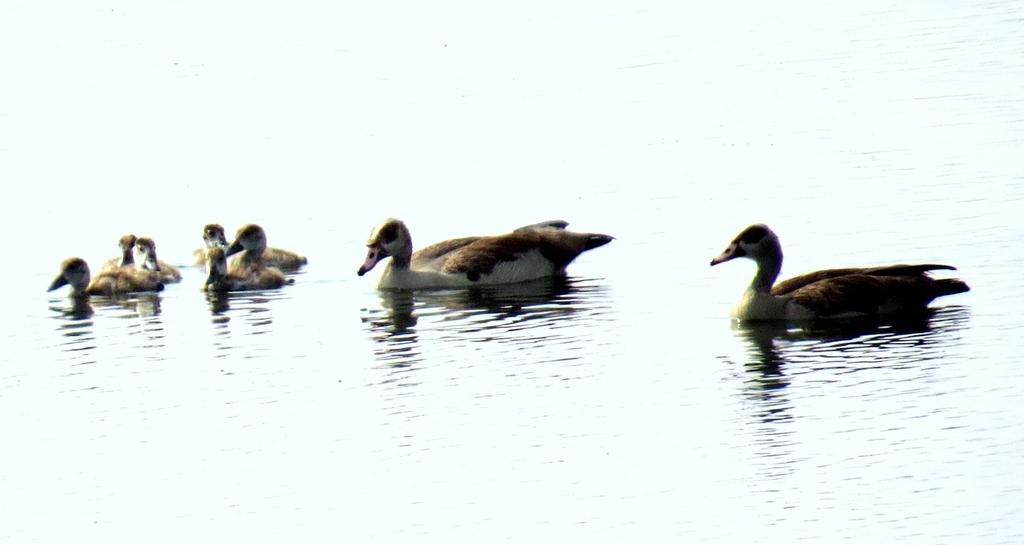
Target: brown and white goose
{"points": [[535, 251], [213, 237], [166, 272], [830, 293], [253, 240], [127, 259], [220, 279], [74, 271]]}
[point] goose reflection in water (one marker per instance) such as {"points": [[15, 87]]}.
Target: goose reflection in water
{"points": [[253, 308], [142, 304], [494, 311], [73, 308], [77, 329], [77, 326], [778, 352], [145, 304], [774, 346], [251, 302], [781, 359]]}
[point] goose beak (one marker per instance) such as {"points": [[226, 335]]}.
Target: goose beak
{"points": [[235, 247], [57, 282], [732, 252], [373, 255]]}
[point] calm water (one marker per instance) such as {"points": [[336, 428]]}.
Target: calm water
{"points": [[619, 405]]}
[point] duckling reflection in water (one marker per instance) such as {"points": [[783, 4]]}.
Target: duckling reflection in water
{"points": [[257, 277], [74, 271], [80, 309], [213, 237], [127, 259], [253, 240], [166, 272]]}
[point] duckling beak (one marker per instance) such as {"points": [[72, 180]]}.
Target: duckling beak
{"points": [[373, 255], [235, 247], [732, 252], [57, 282]]}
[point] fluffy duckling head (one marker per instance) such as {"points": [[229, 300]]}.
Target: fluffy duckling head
{"points": [[147, 248], [389, 239], [250, 238], [213, 236], [74, 271], [126, 243]]}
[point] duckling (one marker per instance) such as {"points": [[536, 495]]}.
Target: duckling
{"points": [[127, 259], [167, 272], [213, 237], [220, 279], [253, 240], [74, 271], [528, 253], [830, 293]]}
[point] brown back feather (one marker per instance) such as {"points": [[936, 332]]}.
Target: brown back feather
{"points": [[482, 254], [869, 292], [441, 248], [797, 282]]}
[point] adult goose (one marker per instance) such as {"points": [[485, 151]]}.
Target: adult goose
{"points": [[528, 253], [166, 272], [213, 237], [253, 240], [219, 279], [74, 271], [830, 293]]}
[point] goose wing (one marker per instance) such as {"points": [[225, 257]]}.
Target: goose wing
{"points": [[792, 284], [550, 224], [876, 290], [480, 255], [557, 246], [442, 249]]}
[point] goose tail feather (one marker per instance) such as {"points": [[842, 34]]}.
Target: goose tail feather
{"points": [[951, 286]]}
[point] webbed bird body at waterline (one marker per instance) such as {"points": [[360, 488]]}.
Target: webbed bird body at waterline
{"points": [[166, 272], [529, 253], [75, 272], [220, 279], [830, 293], [252, 239]]}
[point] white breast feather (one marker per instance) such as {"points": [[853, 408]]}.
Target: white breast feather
{"points": [[528, 266]]}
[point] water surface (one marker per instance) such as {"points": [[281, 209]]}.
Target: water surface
{"points": [[616, 405]]}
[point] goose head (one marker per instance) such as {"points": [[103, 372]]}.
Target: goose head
{"points": [[389, 239], [75, 272], [213, 236], [127, 245], [147, 249], [250, 238], [756, 242], [761, 245]]}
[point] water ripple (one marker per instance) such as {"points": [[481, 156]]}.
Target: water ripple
{"points": [[513, 325]]}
